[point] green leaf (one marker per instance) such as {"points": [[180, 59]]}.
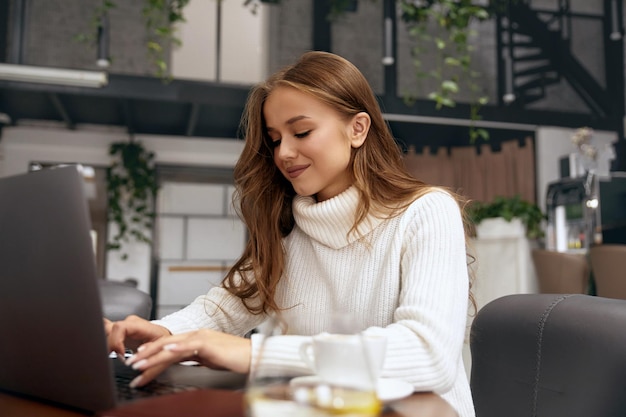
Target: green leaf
{"points": [[452, 61], [483, 133], [450, 86], [448, 102], [153, 46]]}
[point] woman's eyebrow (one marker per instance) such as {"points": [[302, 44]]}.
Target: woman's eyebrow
{"points": [[296, 118], [289, 122]]}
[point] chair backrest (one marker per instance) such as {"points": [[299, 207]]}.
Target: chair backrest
{"points": [[549, 355], [561, 273], [120, 300], [608, 263]]}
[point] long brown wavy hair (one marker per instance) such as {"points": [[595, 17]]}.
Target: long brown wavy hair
{"points": [[264, 197]]}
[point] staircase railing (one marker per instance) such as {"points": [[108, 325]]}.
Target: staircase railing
{"points": [[535, 52]]}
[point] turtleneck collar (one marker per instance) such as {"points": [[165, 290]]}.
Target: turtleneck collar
{"points": [[329, 221]]}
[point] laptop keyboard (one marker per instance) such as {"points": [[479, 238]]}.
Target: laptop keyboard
{"points": [[125, 375]]}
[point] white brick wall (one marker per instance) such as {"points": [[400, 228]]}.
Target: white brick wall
{"points": [[198, 239]]}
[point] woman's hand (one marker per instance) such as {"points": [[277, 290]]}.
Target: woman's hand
{"points": [[130, 333], [208, 347]]}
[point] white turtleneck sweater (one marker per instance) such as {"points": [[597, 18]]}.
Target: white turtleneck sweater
{"points": [[406, 278]]}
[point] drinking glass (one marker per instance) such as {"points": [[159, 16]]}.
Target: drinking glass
{"points": [[335, 377]]}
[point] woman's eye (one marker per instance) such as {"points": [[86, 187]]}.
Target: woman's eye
{"points": [[275, 143], [303, 134]]}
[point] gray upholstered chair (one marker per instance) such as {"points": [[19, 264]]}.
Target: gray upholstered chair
{"points": [[549, 355], [608, 263], [121, 299]]}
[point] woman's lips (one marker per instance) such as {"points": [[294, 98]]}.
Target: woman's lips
{"points": [[296, 170]]}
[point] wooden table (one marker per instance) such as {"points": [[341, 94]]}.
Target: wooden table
{"points": [[209, 403]]}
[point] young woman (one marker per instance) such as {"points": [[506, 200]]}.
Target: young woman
{"points": [[333, 219]]}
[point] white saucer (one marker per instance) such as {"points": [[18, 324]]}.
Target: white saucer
{"points": [[387, 389]]}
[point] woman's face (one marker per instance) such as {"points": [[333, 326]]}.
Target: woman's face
{"points": [[312, 142]]}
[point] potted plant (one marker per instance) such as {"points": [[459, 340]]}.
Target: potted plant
{"points": [[519, 217]]}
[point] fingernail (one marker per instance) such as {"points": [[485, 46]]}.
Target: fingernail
{"points": [[140, 348], [130, 360], [140, 364], [135, 382], [171, 346]]}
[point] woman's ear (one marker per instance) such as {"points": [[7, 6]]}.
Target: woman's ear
{"points": [[360, 127]]}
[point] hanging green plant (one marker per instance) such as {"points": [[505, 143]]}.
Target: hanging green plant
{"points": [[131, 190], [442, 26], [160, 18], [445, 27]]}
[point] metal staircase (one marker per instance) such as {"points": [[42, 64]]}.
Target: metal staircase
{"points": [[534, 53]]}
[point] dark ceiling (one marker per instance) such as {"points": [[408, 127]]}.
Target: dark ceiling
{"points": [[143, 105]]}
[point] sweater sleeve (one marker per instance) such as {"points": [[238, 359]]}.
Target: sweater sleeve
{"points": [[425, 340], [217, 310]]}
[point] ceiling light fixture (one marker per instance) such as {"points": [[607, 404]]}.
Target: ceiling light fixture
{"points": [[616, 33], [58, 76], [103, 42], [390, 10]]}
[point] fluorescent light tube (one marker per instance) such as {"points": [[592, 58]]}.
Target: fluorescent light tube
{"points": [[58, 76]]}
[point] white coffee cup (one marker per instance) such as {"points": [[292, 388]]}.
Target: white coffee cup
{"points": [[348, 360]]}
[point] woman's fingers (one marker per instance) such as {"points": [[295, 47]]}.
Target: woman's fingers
{"points": [[132, 332], [149, 372], [151, 350], [115, 339], [208, 347], [107, 325], [190, 352], [153, 358]]}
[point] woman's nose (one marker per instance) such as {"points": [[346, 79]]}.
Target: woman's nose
{"points": [[287, 149]]}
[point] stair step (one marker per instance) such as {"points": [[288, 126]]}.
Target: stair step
{"points": [[531, 98], [539, 82], [541, 56], [543, 69], [524, 30], [522, 44]]}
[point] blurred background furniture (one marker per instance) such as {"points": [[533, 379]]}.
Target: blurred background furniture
{"points": [[549, 355], [561, 272], [608, 263], [121, 299], [503, 266]]}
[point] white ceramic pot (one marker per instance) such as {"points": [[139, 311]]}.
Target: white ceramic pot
{"points": [[498, 227]]}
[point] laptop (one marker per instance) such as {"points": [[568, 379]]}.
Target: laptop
{"points": [[52, 341]]}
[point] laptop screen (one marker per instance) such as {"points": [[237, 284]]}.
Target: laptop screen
{"points": [[53, 345]]}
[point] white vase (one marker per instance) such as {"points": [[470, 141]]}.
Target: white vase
{"points": [[498, 227]]}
